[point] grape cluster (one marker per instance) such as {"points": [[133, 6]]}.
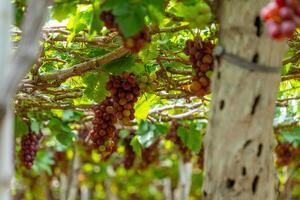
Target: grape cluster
{"points": [[109, 20], [183, 149], [138, 41], [124, 91], [129, 157], [150, 155], [104, 135], [200, 160], [200, 53], [134, 43], [282, 17], [285, 154], [148, 83], [61, 162], [29, 147]]}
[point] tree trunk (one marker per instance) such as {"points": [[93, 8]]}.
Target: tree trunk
{"points": [[239, 141], [72, 190], [185, 180], [167, 183], [63, 186], [11, 72], [84, 193], [6, 114]]}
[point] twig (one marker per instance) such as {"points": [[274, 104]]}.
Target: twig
{"points": [[176, 106], [289, 77], [81, 68]]}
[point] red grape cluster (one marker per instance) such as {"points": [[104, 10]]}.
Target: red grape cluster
{"points": [[109, 20], [125, 91], [61, 162], [104, 135], [150, 155], [138, 41], [200, 53], [282, 17], [129, 157], [183, 149], [285, 153], [134, 43], [29, 147], [200, 160]]}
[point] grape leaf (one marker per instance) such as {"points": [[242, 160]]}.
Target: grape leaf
{"points": [[35, 127], [95, 86], [43, 162], [65, 138], [137, 148], [62, 10], [21, 127]]}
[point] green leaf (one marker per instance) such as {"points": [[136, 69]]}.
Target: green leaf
{"points": [[111, 4], [194, 141], [123, 133], [96, 86], [126, 63], [21, 127], [65, 138], [71, 115], [292, 135], [286, 68], [197, 13], [43, 161], [35, 127], [96, 24], [130, 19], [143, 106], [147, 132], [191, 137], [55, 125], [182, 133], [136, 146], [61, 11], [157, 4]]}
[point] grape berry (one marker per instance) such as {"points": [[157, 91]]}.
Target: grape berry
{"points": [[282, 17]]}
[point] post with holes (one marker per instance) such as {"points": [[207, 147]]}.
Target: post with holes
{"points": [[239, 141], [6, 113]]}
